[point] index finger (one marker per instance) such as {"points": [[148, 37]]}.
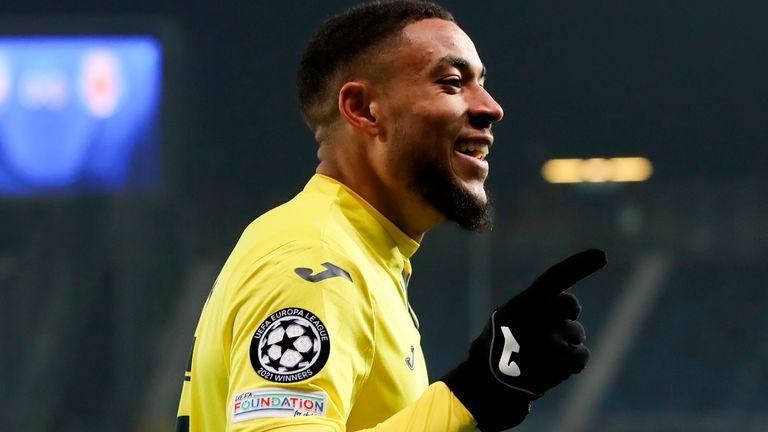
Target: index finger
{"points": [[566, 273]]}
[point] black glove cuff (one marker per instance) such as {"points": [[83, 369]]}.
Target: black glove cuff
{"points": [[494, 407]]}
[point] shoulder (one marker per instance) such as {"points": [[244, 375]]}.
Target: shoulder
{"points": [[305, 251], [307, 232], [312, 218]]}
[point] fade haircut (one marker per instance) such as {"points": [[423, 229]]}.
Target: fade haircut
{"points": [[340, 45]]}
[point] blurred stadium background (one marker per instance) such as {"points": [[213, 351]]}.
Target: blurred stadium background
{"points": [[102, 279]]}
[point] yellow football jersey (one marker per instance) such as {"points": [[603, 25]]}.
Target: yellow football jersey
{"points": [[309, 324]]}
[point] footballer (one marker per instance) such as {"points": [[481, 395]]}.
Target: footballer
{"points": [[308, 326]]}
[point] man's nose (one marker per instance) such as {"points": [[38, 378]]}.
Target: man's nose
{"points": [[484, 110]]}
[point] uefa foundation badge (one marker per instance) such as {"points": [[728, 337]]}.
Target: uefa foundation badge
{"points": [[291, 345], [275, 402]]}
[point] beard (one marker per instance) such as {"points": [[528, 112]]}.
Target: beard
{"points": [[437, 186]]}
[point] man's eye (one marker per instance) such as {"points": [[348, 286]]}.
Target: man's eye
{"points": [[453, 82]]}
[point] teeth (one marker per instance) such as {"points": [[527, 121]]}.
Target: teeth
{"points": [[478, 150]]}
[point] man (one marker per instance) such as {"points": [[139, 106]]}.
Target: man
{"points": [[308, 327]]}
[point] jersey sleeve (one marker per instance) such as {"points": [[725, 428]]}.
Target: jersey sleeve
{"points": [[436, 410], [302, 341]]}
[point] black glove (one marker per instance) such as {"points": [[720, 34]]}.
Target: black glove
{"points": [[529, 345]]}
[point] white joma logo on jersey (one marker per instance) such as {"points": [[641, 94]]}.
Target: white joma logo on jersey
{"points": [[506, 366], [410, 360]]}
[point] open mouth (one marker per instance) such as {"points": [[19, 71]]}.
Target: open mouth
{"points": [[475, 150]]}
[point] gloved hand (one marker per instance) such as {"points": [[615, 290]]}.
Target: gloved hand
{"points": [[530, 344]]}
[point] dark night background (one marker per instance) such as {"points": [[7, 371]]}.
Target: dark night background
{"points": [[99, 295]]}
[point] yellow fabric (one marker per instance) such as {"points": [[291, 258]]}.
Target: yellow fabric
{"points": [[437, 410], [375, 366]]}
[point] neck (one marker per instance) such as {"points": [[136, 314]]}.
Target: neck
{"points": [[355, 165]]}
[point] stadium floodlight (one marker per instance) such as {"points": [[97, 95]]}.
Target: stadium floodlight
{"points": [[597, 170]]}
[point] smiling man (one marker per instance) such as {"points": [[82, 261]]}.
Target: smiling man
{"points": [[308, 327]]}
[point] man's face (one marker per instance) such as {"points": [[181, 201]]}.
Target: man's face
{"points": [[435, 118]]}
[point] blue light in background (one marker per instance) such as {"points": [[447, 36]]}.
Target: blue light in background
{"points": [[79, 114]]}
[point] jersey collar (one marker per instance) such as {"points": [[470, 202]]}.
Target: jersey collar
{"points": [[382, 232]]}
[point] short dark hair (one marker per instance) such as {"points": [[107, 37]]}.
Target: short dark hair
{"points": [[339, 43]]}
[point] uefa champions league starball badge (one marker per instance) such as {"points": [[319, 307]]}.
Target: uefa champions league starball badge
{"points": [[291, 345]]}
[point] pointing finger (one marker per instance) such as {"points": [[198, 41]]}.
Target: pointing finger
{"points": [[566, 273]]}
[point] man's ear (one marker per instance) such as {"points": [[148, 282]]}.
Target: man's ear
{"points": [[355, 107]]}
